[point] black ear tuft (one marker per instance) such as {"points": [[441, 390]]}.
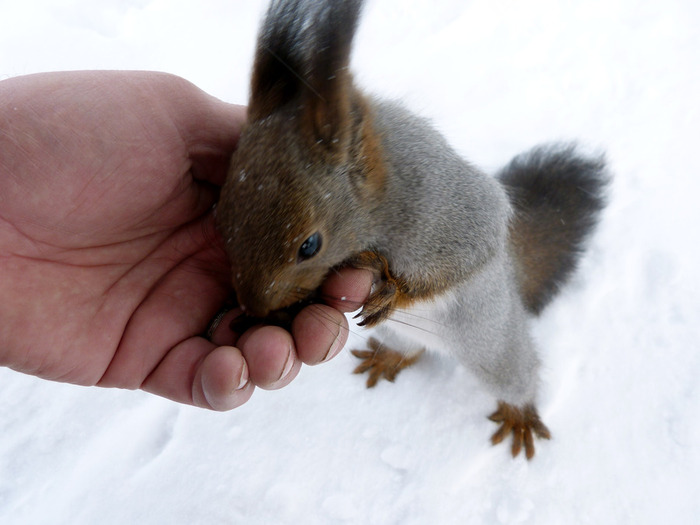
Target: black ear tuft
{"points": [[302, 58], [278, 65]]}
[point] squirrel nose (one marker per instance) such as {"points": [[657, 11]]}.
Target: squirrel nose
{"points": [[252, 306], [251, 296], [258, 296]]}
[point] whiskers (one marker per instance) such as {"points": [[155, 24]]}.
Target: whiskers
{"points": [[416, 318], [425, 329]]}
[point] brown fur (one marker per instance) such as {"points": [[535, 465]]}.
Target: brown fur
{"points": [[536, 251], [521, 422], [557, 196], [381, 361], [308, 127], [299, 151], [367, 152]]}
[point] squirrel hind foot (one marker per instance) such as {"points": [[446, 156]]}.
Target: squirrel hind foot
{"points": [[382, 362], [522, 423]]}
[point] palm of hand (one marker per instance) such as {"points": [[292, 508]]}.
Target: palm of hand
{"points": [[107, 231]]}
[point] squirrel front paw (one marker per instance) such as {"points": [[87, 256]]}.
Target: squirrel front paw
{"points": [[521, 422], [387, 291], [381, 361], [380, 304]]}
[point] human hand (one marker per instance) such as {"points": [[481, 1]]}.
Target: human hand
{"points": [[110, 266]]}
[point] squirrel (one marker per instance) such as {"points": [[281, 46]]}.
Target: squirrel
{"points": [[325, 176]]}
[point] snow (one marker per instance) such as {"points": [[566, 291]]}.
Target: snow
{"points": [[620, 345]]}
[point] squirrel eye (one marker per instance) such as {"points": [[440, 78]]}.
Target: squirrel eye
{"points": [[310, 247]]}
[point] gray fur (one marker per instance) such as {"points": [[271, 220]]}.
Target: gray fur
{"points": [[446, 217], [440, 214]]}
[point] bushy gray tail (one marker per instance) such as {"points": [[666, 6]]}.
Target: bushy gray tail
{"points": [[557, 196]]}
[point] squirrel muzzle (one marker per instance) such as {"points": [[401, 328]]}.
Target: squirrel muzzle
{"points": [[259, 295], [259, 302]]}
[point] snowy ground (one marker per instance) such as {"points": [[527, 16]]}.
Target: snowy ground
{"points": [[621, 346]]}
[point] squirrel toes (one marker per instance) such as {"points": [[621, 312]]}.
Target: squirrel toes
{"points": [[326, 176]]}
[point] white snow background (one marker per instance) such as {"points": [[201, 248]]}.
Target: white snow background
{"points": [[621, 376]]}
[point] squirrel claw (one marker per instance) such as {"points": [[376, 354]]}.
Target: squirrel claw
{"points": [[381, 361], [379, 305], [521, 422]]}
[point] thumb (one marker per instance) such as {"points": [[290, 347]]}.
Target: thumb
{"points": [[210, 128]]}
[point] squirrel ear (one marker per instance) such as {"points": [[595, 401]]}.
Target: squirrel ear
{"points": [[302, 59]]}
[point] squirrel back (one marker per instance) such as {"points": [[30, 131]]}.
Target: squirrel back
{"points": [[557, 196]]}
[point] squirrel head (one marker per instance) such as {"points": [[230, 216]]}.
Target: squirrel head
{"points": [[307, 170]]}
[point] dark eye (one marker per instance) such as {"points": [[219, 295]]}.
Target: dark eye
{"points": [[310, 247]]}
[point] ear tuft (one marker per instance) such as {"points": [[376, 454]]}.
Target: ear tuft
{"points": [[302, 61]]}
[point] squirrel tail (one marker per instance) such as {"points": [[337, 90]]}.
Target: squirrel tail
{"points": [[557, 196]]}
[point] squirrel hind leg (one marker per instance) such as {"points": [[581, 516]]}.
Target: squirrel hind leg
{"points": [[522, 422], [381, 361]]}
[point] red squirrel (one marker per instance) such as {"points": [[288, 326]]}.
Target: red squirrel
{"points": [[325, 176]]}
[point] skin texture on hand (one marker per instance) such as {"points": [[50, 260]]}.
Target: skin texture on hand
{"points": [[110, 265]]}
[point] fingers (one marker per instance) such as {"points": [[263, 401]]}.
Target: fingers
{"points": [[271, 356], [210, 127], [223, 335], [210, 152], [197, 373], [274, 356], [347, 289], [320, 332], [216, 375], [222, 381]]}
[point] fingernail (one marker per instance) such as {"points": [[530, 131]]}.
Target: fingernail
{"points": [[288, 365], [334, 349], [244, 377]]}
